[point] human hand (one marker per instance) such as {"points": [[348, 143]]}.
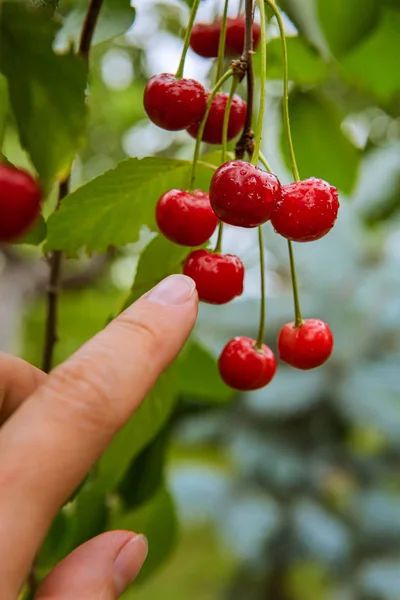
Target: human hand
{"points": [[56, 427]]}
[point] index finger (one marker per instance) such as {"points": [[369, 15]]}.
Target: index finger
{"points": [[51, 442]]}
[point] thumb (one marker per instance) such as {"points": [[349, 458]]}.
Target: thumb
{"points": [[100, 569]]}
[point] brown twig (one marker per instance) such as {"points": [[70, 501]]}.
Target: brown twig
{"points": [[55, 260], [246, 141], [88, 28]]}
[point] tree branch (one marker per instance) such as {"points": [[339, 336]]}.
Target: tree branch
{"points": [[55, 260], [88, 28], [246, 141]]}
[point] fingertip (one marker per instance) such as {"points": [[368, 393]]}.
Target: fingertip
{"points": [[173, 290], [129, 562], [104, 566]]}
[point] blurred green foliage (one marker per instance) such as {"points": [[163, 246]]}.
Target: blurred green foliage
{"points": [[298, 481]]}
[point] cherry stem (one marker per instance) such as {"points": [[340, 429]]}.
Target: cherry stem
{"points": [[298, 318], [285, 99], [218, 245], [196, 153], [221, 45], [263, 76], [261, 331], [186, 41], [264, 161], [240, 7], [227, 113], [295, 170]]}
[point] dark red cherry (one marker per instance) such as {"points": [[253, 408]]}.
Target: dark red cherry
{"points": [[219, 277], [244, 195], [307, 210], [234, 44], [204, 39], [186, 218], [172, 103], [307, 346], [212, 133], [20, 198], [245, 367]]}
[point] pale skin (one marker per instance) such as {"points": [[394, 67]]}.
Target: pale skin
{"points": [[55, 427]]}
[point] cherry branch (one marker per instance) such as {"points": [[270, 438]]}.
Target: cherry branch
{"points": [[246, 140], [55, 259]]}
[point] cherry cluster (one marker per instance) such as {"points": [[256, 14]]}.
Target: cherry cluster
{"points": [[20, 198], [242, 195], [175, 103]]}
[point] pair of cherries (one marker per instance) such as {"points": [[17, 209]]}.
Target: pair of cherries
{"points": [[176, 104], [204, 39], [243, 195], [20, 199]]}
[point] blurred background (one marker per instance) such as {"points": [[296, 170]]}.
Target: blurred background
{"points": [[291, 492]]}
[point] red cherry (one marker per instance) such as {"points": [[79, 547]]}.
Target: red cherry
{"points": [[219, 277], [204, 39], [174, 103], [235, 29], [186, 218], [244, 195], [20, 198], [307, 346], [307, 210], [212, 133], [243, 366]]}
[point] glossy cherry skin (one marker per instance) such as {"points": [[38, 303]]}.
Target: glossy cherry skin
{"points": [[219, 277], [235, 28], [244, 195], [20, 198], [204, 39], [244, 367], [212, 133], [307, 346], [307, 210], [186, 218], [172, 103]]}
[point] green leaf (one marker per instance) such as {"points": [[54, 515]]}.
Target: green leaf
{"points": [[46, 90], [116, 16], [145, 475], [321, 148], [53, 547], [303, 15], [199, 377], [144, 425], [111, 209], [47, 7], [3, 107], [158, 522], [90, 515], [306, 67], [37, 235], [345, 23], [373, 65], [85, 518], [159, 259]]}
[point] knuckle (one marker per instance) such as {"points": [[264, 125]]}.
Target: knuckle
{"points": [[85, 393], [143, 328]]}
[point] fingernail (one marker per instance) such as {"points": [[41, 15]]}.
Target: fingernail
{"points": [[175, 289], [129, 562]]}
